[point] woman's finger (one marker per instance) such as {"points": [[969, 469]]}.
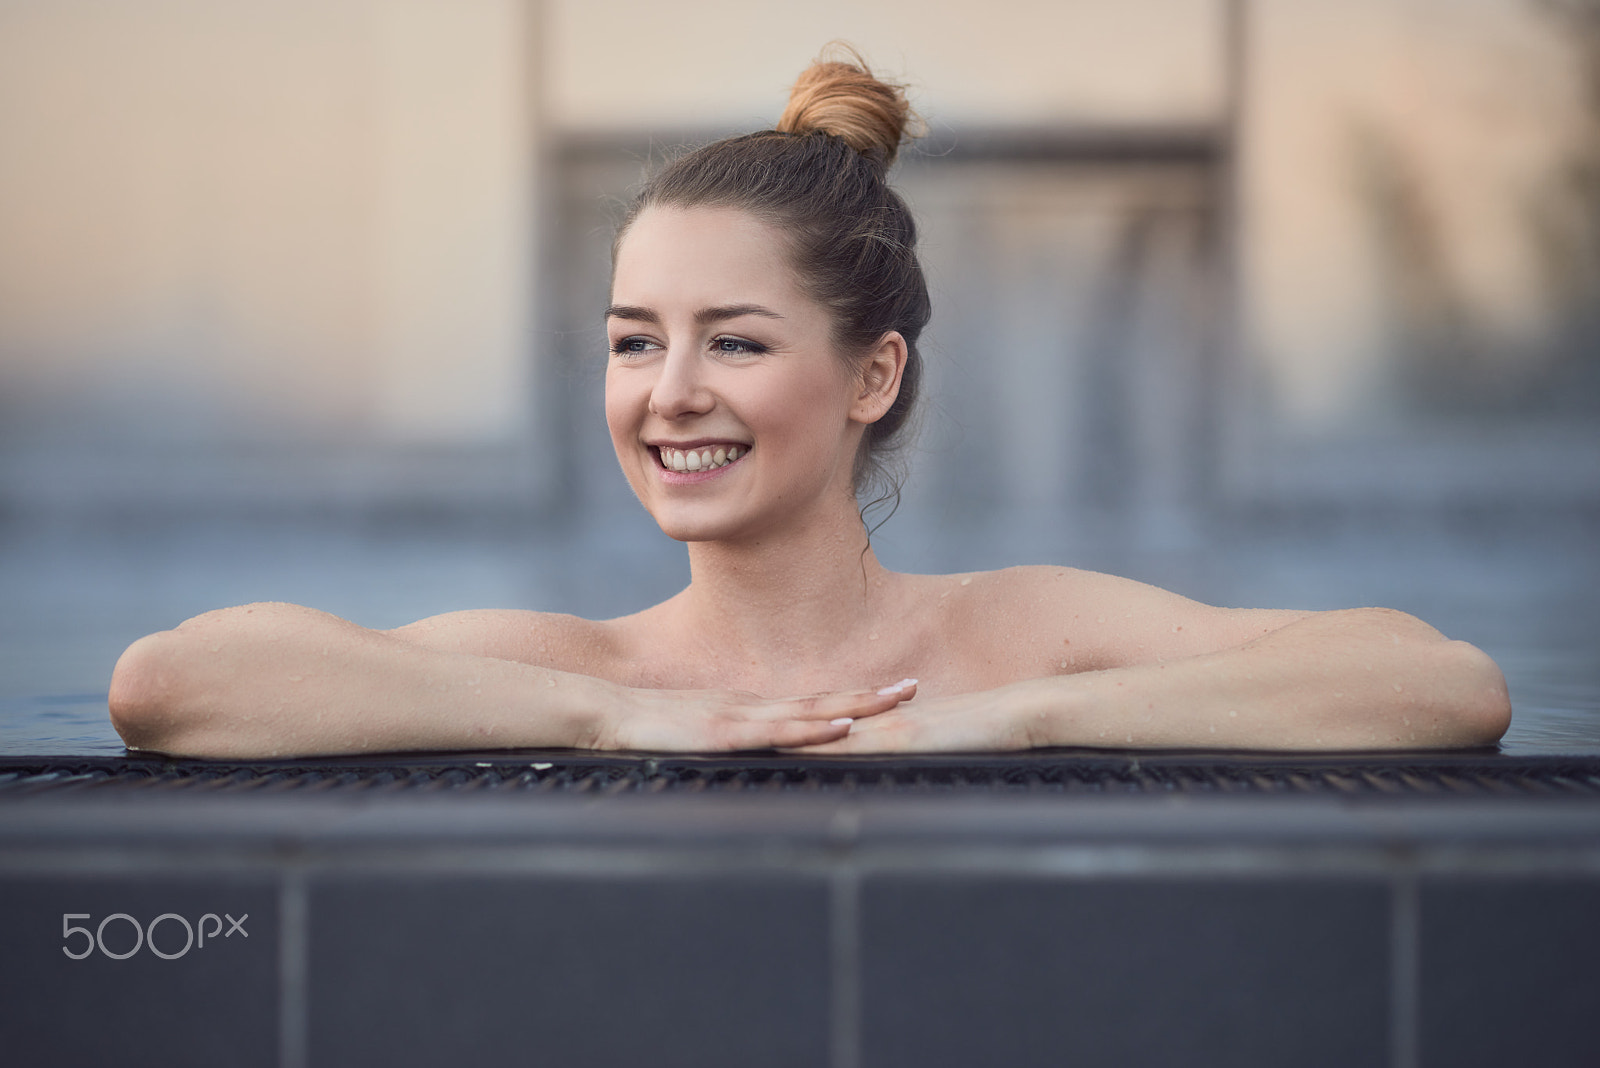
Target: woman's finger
{"points": [[850, 704], [948, 725], [783, 734], [882, 734]]}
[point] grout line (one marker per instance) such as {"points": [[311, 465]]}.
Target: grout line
{"points": [[292, 938], [1404, 975], [844, 916]]}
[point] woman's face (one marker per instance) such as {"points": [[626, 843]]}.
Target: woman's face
{"points": [[729, 409]]}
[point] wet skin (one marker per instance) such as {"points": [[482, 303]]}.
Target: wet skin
{"points": [[715, 348]]}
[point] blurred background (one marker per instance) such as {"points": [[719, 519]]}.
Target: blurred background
{"points": [[1277, 302]]}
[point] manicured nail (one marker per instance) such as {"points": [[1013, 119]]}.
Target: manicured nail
{"points": [[889, 690], [903, 683], [841, 722]]}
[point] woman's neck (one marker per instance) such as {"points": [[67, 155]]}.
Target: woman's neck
{"points": [[806, 596]]}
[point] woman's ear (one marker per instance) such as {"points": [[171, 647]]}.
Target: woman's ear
{"points": [[879, 380]]}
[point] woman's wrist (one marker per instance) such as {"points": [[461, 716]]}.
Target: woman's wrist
{"points": [[587, 708], [1032, 708]]}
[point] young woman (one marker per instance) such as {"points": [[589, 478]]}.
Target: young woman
{"points": [[765, 310]]}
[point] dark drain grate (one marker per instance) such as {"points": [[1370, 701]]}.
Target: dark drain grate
{"points": [[1055, 772]]}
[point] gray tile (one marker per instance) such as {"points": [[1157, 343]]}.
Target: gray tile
{"points": [[660, 971], [1039, 971], [1509, 972], [210, 1005]]}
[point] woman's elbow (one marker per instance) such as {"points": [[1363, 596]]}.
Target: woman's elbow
{"points": [[1481, 712], [143, 699]]}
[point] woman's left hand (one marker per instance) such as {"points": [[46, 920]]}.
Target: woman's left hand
{"points": [[988, 721]]}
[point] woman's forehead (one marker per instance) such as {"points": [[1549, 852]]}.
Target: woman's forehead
{"points": [[702, 255]]}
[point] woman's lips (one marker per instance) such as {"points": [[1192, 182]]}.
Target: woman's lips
{"points": [[685, 465]]}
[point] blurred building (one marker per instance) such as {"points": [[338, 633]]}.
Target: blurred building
{"points": [[1187, 255]]}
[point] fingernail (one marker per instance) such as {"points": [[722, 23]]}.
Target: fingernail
{"points": [[841, 722], [903, 683], [888, 690]]}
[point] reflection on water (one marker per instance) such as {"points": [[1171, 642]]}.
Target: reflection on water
{"points": [[56, 724], [71, 599]]}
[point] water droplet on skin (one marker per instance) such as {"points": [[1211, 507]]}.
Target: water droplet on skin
{"points": [[550, 682], [297, 678], [872, 637], [966, 582], [1232, 712], [1063, 665]]}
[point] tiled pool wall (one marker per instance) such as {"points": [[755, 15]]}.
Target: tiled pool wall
{"points": [[821, 931]]}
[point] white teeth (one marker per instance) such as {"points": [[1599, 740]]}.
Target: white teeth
{"points": [[699, 459]]}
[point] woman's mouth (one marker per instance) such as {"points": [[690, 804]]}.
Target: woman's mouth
{"points": [[702, 458]]}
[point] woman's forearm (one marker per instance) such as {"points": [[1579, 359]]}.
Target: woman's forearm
{"points": [[1357, 679], [276, 680]]}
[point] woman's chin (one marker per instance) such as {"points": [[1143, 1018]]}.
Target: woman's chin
{"points": [[679, 526]]}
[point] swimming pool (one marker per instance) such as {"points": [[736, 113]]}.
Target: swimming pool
{"points": [[1138, 909], [72, 596]]}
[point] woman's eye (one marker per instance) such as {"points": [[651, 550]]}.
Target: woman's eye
{"points": [[736, 346], [632, 346]]}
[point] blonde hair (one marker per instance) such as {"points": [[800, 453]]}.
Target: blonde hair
{"points": [[845, 99]]}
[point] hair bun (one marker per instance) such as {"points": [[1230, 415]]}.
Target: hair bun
{"points": [[845, 99]]}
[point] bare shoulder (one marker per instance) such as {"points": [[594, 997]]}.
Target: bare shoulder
{"points": [[549, 639], [1086, 620]]}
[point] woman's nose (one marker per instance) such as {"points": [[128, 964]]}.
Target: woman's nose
{"points": [[680, 389]]}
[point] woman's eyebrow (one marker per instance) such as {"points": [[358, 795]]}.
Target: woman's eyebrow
{"points": [[630, 311], [732, 311], [703, 316]]}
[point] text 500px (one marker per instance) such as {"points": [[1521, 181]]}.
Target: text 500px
{"points": [[193, 935]]}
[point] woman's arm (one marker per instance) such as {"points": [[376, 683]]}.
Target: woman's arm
{"points": [[1357, 679], [278, 680]]}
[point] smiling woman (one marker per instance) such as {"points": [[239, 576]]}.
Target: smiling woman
{"points": [[693, 375], [765, 311]]}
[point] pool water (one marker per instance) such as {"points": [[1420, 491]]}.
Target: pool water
{"points": [[73, 596]]}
